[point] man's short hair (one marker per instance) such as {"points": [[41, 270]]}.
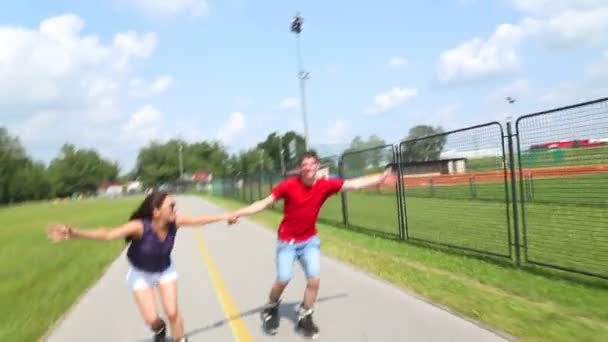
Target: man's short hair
{"points": [[308, 154]]}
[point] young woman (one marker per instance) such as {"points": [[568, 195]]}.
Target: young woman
{"points": [[151, 232]]}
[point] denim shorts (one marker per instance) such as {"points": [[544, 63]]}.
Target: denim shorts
{"points": [[308, 254]]}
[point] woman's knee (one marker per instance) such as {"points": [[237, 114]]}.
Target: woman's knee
{"points": [[172, 313]]}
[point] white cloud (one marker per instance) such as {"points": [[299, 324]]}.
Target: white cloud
{"points": [[234, 126], [598, 72], [445, 117], [57, 83], [194, 8], [397, 62], [593, 85], [131, 45], [57, 67], [391, 99], [289, 104], [478, 59], [143, 125], [555, 24], [139, 88], [337, 131], [565, 24], [33, 128], [549, 7], [571, 92]]}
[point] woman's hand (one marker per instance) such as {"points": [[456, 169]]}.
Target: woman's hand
{"points": [[60, 232]]}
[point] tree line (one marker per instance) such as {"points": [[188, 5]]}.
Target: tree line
{"points": [[81, 171]]}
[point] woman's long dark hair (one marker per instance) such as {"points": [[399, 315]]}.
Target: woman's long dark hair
{"points": [[145, 210]]}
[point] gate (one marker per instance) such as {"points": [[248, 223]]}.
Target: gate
{"points": [[563, 187], [455, 188]]}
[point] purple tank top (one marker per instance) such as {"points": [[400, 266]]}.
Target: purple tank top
{"points": [[149, 253]]}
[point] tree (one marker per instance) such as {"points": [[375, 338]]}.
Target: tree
{"points": [[365, 155], [159, 163], [424, 149], [206, 156], [288, 138], [250, 162], [276, 145], [21, 179], [80, 171]]}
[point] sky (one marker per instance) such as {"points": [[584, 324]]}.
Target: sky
{"points": [[116, 74]]}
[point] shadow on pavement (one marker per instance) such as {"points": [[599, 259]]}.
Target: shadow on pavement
{"points": [[287, 310]]}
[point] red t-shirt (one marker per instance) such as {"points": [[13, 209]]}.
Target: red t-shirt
{"points": [[302, 205]]}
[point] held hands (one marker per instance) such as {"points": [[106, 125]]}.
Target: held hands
{"points": [[60, 232], [233, 219]]}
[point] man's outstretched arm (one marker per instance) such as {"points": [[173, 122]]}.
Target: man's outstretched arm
{"points": [[365, 181]]}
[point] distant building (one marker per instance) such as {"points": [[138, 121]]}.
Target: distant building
{"points": [[202, 177], [449, 166], [110, 189], [135, 187]]}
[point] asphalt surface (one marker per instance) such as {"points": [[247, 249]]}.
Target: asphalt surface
{"points": [[225, 274]]}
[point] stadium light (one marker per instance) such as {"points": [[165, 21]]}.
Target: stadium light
{"points": [[296, 27]]}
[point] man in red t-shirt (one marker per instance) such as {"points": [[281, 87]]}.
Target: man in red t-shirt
{"points": [[303, 198]]}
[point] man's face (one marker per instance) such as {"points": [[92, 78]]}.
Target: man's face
{"points": [[309, 167]]}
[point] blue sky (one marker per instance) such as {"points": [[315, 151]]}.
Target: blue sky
{"points": [[115, 74]]}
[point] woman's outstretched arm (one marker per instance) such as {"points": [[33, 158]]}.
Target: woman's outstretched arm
{"points": [[62, 232]]}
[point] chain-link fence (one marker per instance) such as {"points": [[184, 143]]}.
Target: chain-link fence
{"points": [[373, 208], [536, 195], [563, 168], [455, 189]]}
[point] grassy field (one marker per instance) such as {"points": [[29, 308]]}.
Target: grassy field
{"points": [[554, 211], [587, 190], [554, 232], [545, 158], [525, 304], [41, 280]]}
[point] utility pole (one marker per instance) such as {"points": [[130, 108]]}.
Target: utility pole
{"points": [[181, 161], [281, 155], [296, 27]]}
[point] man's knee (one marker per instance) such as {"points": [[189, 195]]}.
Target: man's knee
{"points": [[282, 283], [311, 259]]}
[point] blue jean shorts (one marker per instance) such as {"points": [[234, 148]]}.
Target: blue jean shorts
{"points": [[308, 254]]}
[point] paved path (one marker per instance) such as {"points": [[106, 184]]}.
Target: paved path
{"points": [[225, 272]]}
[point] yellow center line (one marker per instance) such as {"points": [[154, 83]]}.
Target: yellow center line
{"points": [[239, 329]]}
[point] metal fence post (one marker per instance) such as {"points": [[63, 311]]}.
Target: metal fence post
{"points": [[510, 136], [401, 207], [343, 197], [260, 180]]}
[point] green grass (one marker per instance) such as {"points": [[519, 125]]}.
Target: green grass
{"points": [[554, 232], [527, 305], [41, 280], [545, 158], [587, 190], [565, 218]]}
